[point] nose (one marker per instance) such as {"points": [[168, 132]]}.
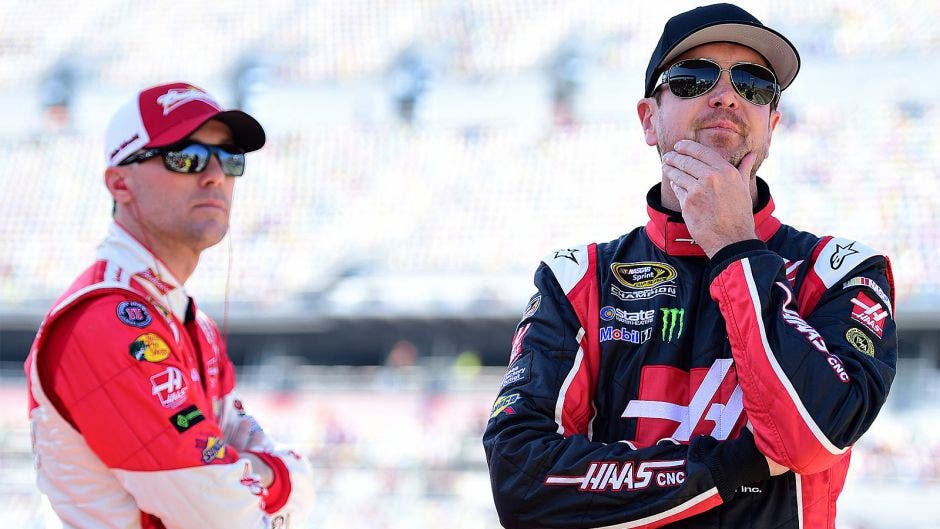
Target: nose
{"points": [[212, 175], [723, 95]]}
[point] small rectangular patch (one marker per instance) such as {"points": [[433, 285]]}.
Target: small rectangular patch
{"points": [[517, 373], [187, 418]]}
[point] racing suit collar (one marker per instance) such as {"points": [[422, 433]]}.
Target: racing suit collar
{"points": [[668, 232], [151, 277]]}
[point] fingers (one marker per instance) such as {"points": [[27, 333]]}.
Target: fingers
{"points": [[747, 165], [687, 164], [708, 156]]}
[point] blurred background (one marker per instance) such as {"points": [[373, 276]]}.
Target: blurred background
{"points": [[422, 157]]}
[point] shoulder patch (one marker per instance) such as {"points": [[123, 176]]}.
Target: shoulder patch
{"points": [[839, 257], [134, 313], [569, 265], [532, 307], [861, 342]]}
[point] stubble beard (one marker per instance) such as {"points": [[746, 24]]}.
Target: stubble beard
{"points": [[733, 152]]}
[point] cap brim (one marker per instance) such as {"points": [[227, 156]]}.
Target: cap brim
{"points": [[247, 133], [779, 52]]}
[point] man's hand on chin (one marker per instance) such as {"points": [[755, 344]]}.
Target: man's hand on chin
{"points": [[715, 196]]}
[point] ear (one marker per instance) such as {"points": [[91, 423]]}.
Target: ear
{"points": [[774, 119], [646, 109], [771, 125], [114, 180]]}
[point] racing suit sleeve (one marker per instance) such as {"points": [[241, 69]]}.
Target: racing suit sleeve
{"points": [[292, 491], [814, 368], [546, 471], [141, 409]]}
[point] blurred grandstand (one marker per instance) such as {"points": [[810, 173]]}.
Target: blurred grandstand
{"points": [[422, 157]]}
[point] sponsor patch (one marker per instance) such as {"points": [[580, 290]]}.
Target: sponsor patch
{"points": [[134, 313], [624, 335], [504, 404], [643, 275], [613, 476], [673, 323], [517, 342], [187, 418], [869, 313], [634, 295], [170, 387], [796, 321], [812, 335], [870, 283], [640, 317], [678, 405], [532, 307], [860, 341], [149, 347], [518, 373], [213, 448]]}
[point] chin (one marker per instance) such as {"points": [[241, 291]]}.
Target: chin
{"points": [[210, 234]]}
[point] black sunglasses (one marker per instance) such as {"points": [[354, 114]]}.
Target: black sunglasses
{"points": [[193, 157], [695, 77]]}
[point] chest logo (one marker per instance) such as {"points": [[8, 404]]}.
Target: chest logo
{"points": [[673, 323], [677, 404], [640, 276]]}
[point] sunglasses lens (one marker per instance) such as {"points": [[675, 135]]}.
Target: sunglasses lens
{"points": [[192, 158], [692, 78], [233, 163], [755, 83]]}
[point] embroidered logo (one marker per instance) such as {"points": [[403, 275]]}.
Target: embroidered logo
{"points": [[134, 313], [836, 259], [149, 347], [869, 313], [669, 328], [170, 387], [177, 97]]}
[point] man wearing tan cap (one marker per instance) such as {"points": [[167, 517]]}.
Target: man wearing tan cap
{"points": [[714, 367]]}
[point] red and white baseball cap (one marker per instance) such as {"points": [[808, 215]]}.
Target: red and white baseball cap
{"points": [[165, 114]]}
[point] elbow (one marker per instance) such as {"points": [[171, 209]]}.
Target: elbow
{"points": [[799, 454]]}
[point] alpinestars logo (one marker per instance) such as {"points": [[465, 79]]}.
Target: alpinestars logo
{"points": [[178, 97], [604, 475], [837, 258], [673, 322]]}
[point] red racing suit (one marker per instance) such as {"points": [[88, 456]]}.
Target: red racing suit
{"points": [[132, 408], [647, 382]]}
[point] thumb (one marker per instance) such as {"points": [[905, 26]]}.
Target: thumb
{"points": [[747, 165]]}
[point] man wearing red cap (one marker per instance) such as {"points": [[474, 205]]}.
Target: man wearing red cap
{"points": [[133, 411], [714, 367]]}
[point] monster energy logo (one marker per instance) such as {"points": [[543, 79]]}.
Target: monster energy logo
{"points": [[670, 318]]}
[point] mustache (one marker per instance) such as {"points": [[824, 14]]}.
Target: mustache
{"points": [[722, 114]]}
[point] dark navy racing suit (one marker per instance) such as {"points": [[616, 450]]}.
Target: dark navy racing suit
{"points": [[647, 382]]}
